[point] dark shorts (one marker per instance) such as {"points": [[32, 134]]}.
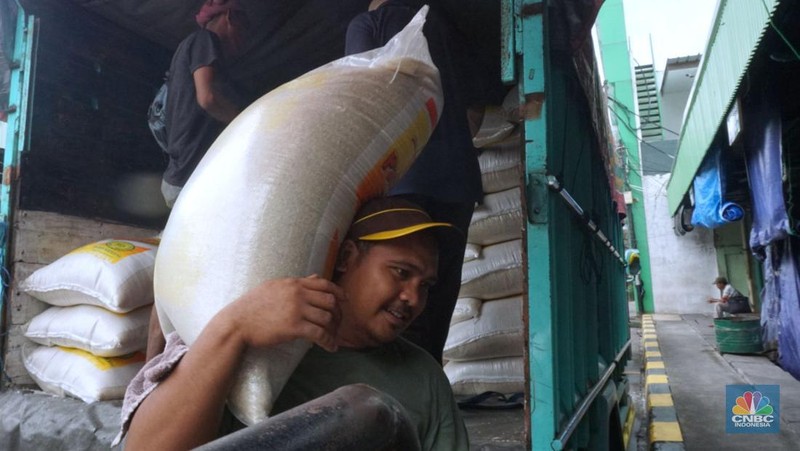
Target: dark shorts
{"points": [[737, 305]]}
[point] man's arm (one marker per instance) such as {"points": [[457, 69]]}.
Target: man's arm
{"points": [[210, 98], [360, 36], [186, 409]]}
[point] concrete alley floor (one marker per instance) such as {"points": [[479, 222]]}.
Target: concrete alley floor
{"points": [[698, 375]]}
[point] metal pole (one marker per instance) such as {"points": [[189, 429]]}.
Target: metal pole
{"points": [[587, 401], [555, 185]]}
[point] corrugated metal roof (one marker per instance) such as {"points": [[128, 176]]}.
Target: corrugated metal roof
{"points": [[738, 28]]}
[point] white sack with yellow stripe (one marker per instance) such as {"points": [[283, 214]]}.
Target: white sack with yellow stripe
{"points": [[275, 194], [77, 373]]}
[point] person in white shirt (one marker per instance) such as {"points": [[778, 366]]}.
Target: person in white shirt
{"points": [[730, 300]]}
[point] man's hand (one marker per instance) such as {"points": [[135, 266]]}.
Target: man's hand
{"points": [[192, 399], [279, 311]]}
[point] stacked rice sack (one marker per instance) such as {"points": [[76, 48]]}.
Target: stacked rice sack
{"points": [[89, 344], [485, 345]]}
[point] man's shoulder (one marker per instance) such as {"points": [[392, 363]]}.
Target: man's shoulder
{"points": [[198, 37]]}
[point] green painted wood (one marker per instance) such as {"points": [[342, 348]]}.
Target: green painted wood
{"points": [[541, 343], [577, 309], [19, 99]]}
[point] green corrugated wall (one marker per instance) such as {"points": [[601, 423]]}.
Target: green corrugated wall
{"points": [[617, 67], [738, 28]]}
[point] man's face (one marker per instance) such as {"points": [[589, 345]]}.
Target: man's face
{"points": [[386, 286]]}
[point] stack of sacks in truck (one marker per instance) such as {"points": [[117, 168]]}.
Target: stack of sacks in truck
{"points": [[485, 343], [89, 344]]}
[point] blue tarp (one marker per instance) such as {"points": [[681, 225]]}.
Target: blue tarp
{"points": [[710, 208], [769, 238], [763, 144], [770, 298], [789, 287]]}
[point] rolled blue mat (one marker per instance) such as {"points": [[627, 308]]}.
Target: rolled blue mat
{"points": [[731, 211]]}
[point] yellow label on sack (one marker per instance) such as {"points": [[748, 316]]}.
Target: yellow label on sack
{"points": [[111, 251], [106, 363], [400, 155]]}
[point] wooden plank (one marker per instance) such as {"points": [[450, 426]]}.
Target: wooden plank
{"points": [[42, 237], [22, 306], [14, 367]]}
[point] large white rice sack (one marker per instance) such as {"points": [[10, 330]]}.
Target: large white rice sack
{"points": [[497, 332], [466, 309], [73, 372], [501, 167], [497, 273], [503, 375], [92, 329], [275, 193], [471, 252], [498, 218], [494, 128], [115, 274]]}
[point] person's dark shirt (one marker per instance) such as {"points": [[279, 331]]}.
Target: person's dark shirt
{"points": [[447, 169], [190, 129]]}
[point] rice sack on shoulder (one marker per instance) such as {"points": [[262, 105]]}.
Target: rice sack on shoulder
{"points": [[276, 192]]}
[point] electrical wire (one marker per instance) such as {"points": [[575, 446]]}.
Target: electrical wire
{"points": [[641, 117], [774, 27], [635, 133]]}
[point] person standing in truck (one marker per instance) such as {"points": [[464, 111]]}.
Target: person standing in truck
{"points": [[445, 179], [199, 104], [201, 99]]}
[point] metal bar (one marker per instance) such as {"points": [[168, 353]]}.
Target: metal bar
{"points": [[587, 401], [555, 185]]}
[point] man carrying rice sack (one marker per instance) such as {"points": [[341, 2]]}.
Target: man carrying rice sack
{"points": [[384, 270]]}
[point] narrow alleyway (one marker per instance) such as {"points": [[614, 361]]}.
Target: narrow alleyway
{"points": [[698, 375]]}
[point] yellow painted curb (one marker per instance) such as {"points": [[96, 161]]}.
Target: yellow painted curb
{"points": [[649, 354], [657, 379], [654, 365], [627, 430], [659, 400], [665, 431]]}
